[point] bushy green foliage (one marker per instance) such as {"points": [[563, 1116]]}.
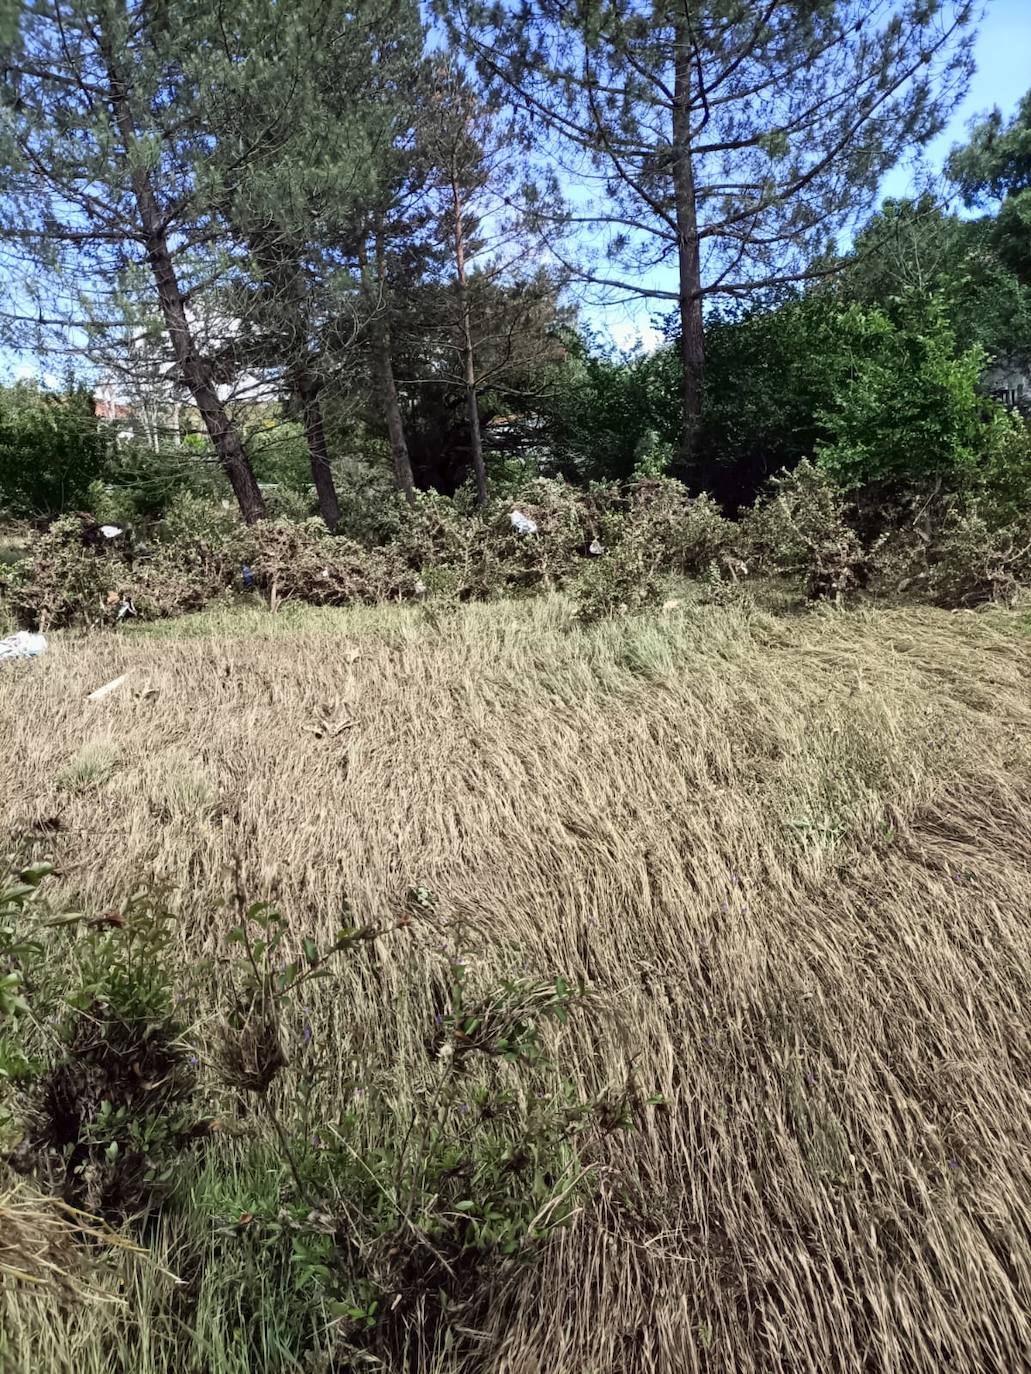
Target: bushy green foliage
{"points": [[139, 483], [994, 169], [104, 1106], [1005, 478], [880, 394], [769, 373], [51, 449], [909, 411], [601, 407], [914, 247], [278, 452], [973, 561]]}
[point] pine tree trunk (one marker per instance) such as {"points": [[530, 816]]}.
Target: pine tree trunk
{"points": [[196, 371], [383, 371], [383, 364], [306, 389], [692, 335], [472, 400]]}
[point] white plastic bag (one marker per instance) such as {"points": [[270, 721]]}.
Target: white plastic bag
{"points": [[22, 645], [521, 523]]}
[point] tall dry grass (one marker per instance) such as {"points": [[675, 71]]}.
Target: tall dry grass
{"points": [[793, 855]]}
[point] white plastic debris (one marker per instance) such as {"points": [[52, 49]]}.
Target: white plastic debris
{"points": [[596, 548], [110, 531], [24, 644], [521, 523], [127, 609], [107, 688], [420, 587]]}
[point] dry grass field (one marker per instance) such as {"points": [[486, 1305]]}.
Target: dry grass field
{"points": [[793, 856]]}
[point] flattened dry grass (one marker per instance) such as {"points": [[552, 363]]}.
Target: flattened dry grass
{"points": [[794, 856]]}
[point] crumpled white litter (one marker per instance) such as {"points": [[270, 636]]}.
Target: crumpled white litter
{"points": [[24, 644], [521, 523]]}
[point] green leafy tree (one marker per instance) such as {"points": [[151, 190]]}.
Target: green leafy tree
{"points": [[299, 293], [601, 407], [494, 311], [916, 248], [993, 170], [51, 449], [882, 395], [911, 412], [720, 142]]}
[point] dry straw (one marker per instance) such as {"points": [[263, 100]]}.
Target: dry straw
{"points": [[793, 854]]}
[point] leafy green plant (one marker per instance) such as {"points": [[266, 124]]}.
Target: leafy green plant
{"points": [[19, 944], [800, 527], [478, 1172], [111, 1111], [51, 449], [911, 409]]}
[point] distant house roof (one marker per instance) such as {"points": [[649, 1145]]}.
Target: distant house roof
{"points": [[111, 410]]}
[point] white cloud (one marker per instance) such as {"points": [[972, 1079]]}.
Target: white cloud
{"points": [[633, 334]]}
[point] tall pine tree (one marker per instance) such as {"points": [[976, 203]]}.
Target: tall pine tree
{"points": [[720, 142]]}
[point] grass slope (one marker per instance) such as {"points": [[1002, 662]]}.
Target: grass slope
{"points": [[792, 855]]}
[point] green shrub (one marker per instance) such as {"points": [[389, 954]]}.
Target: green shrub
{"points": [[972, 562], [51, 449], [1006, 474], [401, 1237], [911, 411], [800, 528]]}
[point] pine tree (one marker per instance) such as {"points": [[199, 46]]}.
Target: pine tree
{"points": [[993, 171], [103, 146], [486, 215], [299, 290], [725, 141]]}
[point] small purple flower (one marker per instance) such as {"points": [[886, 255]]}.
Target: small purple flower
{"points": [[438, 1019], [724, 905], [307, 1033], [463, 1107], [194, 1061]]}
